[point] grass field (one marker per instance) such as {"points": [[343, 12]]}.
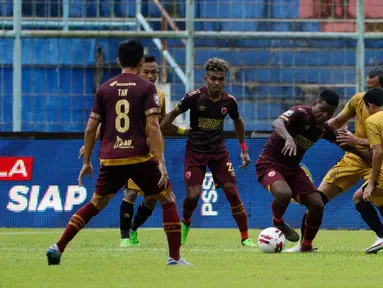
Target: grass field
{"points": [[94, 259]]}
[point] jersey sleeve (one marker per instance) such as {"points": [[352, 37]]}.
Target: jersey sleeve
{"points": [[373, 132], [188, 101], [162, 102], [350, 109], [97, 112], [293, 115], [234, 112], [152, 101]]}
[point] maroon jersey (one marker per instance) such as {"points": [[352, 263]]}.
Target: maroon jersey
{"points": [[206, 119], [302, 126], [121, 105]]}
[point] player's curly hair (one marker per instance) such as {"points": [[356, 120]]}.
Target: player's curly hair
{"points": [[216, 65]]}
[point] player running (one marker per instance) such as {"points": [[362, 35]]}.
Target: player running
{"points": [[278, 170], [128, 108], [206, 146], [128, 228], [351, 168], [371, 193]]}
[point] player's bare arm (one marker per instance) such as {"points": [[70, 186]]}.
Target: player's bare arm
{"points": [[239, 128], [89, 141], [155, 138], [168, 119], [339, 121], [98, 135], [279, 127], [345, 136], [377, 160]]}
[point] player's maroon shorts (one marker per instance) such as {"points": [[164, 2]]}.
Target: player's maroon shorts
{"points": [[219, 165], [146, 175], [300, 184]]}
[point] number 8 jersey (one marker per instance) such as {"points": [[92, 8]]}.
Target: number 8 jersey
{"points": [[121, 105]]}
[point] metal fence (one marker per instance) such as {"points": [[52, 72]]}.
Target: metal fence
{"points": [[282, 52]]}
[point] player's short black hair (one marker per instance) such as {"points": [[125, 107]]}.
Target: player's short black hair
{"points": [[149, 58], [374, 96], [216, 65], [377, 71], [329, 96], [130, 53]]}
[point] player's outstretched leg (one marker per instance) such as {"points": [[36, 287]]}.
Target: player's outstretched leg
{"points": [[76, 223], [189, 205], [282, 197], [297, 248], [172, 228], [239, 213], [126, 215], [315, 209], [144, 211], [370, 216]]}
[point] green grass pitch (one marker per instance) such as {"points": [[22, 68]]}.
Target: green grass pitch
{"points": [[94, 259]]}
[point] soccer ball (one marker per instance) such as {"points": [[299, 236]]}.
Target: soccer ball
{"points": [[271, 240]]}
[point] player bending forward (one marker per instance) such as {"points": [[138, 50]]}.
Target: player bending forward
{"points": [[206, 146], [128, 228], [124, 114], [371, 193], [351, 168], [278, 170]]}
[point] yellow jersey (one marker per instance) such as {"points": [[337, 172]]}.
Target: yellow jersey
{"points": [[374, 128], [355, 107]]}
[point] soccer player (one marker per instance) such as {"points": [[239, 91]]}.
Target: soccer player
{"points": [[278, 170], [371, 193], [351, 168], [126, 105], [205, 146], [128, 228]]}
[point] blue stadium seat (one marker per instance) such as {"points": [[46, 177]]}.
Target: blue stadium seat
{"points": [[6, 51], [326, 75], [285, 8], [6, 8], [230, 9]]}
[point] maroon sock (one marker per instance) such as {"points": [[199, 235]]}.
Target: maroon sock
{"points": [[189, 205], [313, 222], [76, 223], [279, 209], [172, 227], [237, 210]]}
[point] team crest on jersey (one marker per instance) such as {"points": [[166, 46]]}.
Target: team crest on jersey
{"points": [[188, 175], [288, 113], [223, 110], [271, 173], [156, 99]]}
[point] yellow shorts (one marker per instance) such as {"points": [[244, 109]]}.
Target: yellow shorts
{"points": [[346, 173], [133, 186], [376, 196]]}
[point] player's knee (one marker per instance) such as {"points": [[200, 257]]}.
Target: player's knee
{"points": [[130, 195], [100, 202], [194, 192], [358, 196], [283, 195], [324, 197], [150, 202]]}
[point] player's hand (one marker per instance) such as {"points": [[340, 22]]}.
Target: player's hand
{"points": [[367, 192], [345, 136], [290, 148], [87, 169], [245, 160], [81, 152], [164, 181]]}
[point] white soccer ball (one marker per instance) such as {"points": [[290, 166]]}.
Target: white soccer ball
{"points": [[271, 240]]}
